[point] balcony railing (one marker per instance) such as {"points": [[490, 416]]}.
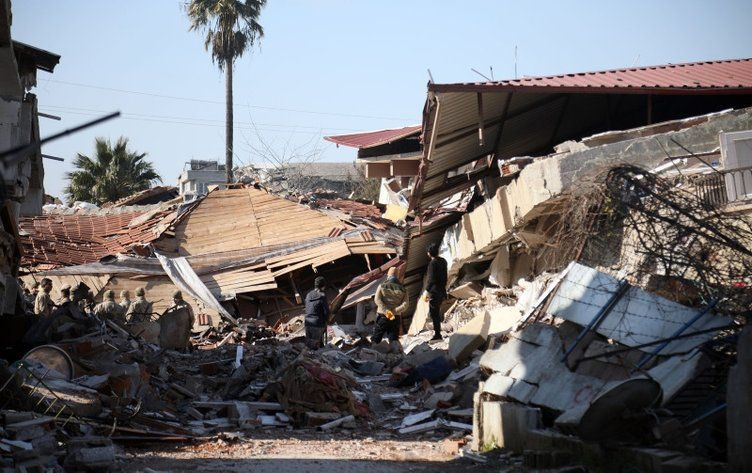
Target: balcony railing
{"points": [[731, 186]]}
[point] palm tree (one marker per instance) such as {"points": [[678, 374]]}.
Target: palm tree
{"points": [[231, 28], [114, 172]]}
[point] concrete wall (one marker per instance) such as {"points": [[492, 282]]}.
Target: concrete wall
{"points": [[495, 221]]}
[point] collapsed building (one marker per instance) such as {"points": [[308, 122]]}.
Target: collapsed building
{"points": [[392, 156], [595, 230], [254, 253], [621, 331]]}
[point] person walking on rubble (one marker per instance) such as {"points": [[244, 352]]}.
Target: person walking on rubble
{"points": [[139, 310], [316, 314], [110, 309], [391, 302], [435, 287], [125, 300], [43, 303]]}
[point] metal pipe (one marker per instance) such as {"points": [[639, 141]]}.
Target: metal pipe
{"points": [[678, 332], [22, 149], [656, 342], [602, 313]]}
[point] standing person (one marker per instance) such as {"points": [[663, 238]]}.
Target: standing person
{"points": [[125, 299], [140, 310], [176, 323], [28, 297], [65, 295], [316, 314], [43, 303], [110, 309], [391, 302], [180, 303], [435, 288]]}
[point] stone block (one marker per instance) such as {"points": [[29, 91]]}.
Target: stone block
{"points": [[467, 291], [467, 339], [506, 424]]}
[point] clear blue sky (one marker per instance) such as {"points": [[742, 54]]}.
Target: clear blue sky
{"points": [[337, 58]]}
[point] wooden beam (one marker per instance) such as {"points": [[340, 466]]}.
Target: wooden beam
{"points": [[378, 170], [405, 167], [298, 298]]}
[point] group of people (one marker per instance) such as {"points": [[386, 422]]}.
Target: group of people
{"points": [[75, 304], [391, 303], [125, 311]]}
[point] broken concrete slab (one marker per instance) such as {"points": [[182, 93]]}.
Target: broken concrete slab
{"points": [[314, 419], [584, 291], [467, 291], [498, 385], [468, 338], [420, 317], [500, 270], [506, 356], [438, 399], [503, 319], [416, 418], [674, 373], [337, 422], [506, 424]]}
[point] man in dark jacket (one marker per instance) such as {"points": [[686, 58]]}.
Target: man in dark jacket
{"points": [[435, 290], [316, 314]]}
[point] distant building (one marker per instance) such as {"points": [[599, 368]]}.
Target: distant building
{"points": [[390, 155], [309, 177], [199, 176]]}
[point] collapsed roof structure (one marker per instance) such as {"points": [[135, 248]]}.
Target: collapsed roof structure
{"points": [[247, 247], [611, 206], [472, 130]]}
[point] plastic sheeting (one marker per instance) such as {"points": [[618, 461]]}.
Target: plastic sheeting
{"points": [[185, 278]]}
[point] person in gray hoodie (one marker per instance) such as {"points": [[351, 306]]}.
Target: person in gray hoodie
{"points": [[316, 314], [391, 302]]}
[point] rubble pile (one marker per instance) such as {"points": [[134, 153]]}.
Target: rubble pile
{"points": [[66, 403]]}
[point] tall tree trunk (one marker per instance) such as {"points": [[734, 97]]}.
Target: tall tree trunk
{"points": [[228, 120]]}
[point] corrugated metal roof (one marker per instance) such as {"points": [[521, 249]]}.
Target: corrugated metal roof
{"points": [[369, 139], [707, 76], [56, 240]]}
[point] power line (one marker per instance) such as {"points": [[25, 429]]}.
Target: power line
{"points": [[219, 125], [202, 120], [216, 102]]}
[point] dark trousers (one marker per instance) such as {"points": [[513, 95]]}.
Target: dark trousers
{"points": [[434, 306], [384, 326], [314, 336]]}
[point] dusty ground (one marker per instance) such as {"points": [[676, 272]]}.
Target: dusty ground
{"points": [[301, 454]]}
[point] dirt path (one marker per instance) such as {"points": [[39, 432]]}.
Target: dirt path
{"points": [[300, 455]]}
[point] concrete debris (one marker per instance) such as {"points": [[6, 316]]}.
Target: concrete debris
{"points": [[561, 341]]}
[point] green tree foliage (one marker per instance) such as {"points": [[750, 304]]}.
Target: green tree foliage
{"points": [[112, 173], [231, 28]]}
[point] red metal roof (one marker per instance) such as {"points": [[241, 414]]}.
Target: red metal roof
{"points": [[369, 139], [725, 76], [55, 240]]}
